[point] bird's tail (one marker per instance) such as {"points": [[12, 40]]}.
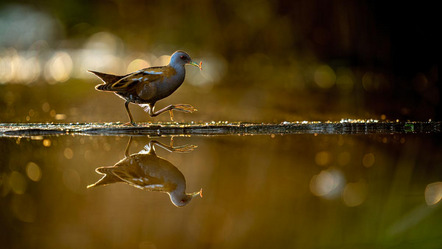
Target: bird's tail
{"points": [[103, 87], [108, 177], [108, 80]]}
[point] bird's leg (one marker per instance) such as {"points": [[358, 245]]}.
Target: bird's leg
{"points": [[129, 114], [171, 114], [170, 108]]}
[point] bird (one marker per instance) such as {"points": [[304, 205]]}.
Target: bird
{"points": [[145, 170], [147, 86]]}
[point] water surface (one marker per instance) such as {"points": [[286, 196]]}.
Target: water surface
{"points": [[300, 191]]}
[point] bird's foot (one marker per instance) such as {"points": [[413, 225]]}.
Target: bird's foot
{"points": [[184, 108], [182, 148], [130, 124]]}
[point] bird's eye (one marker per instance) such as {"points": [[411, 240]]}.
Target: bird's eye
{"points": [[183, 57]]}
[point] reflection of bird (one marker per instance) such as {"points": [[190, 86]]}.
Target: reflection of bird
{"points": [[146, 86], [145, 170]]}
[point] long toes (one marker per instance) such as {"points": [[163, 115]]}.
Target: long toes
{"points": [[185, 108], [185, 148]]}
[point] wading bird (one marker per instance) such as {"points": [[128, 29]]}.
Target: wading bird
{"points": [[146, 86]]}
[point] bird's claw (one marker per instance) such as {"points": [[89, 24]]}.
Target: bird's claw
{"points": [[185, 108]]}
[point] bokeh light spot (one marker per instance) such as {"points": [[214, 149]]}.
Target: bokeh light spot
{"points": [[324, 76], [68, 153], [433, 193], [46, 107], [214, 69], [33, 171], [354, 194], [368, 160], [327, 184], [322, 158], [17, 182], [162, 60], [136, 65], [47, 142], [58, 68], [60, 116]]}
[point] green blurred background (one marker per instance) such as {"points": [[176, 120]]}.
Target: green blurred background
{"points": [[263, 60]]}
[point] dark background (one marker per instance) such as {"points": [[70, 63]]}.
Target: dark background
{"points": [[271, 46]]}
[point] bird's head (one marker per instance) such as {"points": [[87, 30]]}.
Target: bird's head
{"points": [[180, 200], [182, 58]]}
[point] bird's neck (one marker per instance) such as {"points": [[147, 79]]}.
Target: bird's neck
{"points": [[178, 78], [180, 70], [177, 193]]}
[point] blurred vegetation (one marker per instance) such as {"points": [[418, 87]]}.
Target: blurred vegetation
{"points": [[355, 58]]}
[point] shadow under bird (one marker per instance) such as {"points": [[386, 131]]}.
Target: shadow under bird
{"points": [[145, 170], [147, 86]]}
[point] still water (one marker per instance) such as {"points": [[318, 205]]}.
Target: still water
{"points": [[266, 191]]}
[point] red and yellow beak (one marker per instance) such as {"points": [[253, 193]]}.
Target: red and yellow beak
{"points": [[200, 66], [200, 193]]}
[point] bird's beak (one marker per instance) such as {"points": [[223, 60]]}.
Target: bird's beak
{"points": [[200, 193], [200, 66]]}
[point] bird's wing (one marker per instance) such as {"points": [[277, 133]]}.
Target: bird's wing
{"points": [[145, 76], [139, 178]]}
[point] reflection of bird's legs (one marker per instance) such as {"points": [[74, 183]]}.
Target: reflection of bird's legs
{"points": [[128, 113], [170, 108], [171, 141], [182, 148], [126, 152]]}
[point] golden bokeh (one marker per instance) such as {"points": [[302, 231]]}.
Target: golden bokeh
{"points": [[33, 171]]}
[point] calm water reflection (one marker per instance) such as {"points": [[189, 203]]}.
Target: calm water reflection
{"points": [[145, 170], [299, 191]]}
